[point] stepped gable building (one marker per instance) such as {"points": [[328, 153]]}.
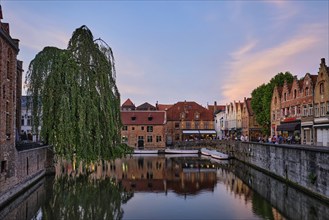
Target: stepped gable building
{"points": [[250, 127], [144, 128], [303, 108], [189, 120], [234, 119], [321, 106]]}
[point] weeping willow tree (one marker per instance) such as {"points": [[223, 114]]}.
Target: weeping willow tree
{"points": [[75, 99]]}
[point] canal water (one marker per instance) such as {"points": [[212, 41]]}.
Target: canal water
{"points": [[163, 187]]}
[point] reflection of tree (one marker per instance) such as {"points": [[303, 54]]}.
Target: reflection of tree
{"points": [[80, 198], [261, 207]]}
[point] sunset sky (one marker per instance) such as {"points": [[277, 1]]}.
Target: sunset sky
{"points": [[170, 51]]}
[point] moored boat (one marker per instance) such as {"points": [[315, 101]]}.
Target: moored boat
{"points": [[214, 154], [181, 151], [145, 151]]}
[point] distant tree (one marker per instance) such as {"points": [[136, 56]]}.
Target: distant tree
{"points": [[74, 95], [261, 99]]}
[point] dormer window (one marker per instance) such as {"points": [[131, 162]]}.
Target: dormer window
{"points": [[197, 116], [150, 118], [133, 118], [182, 115], [295, 93]]}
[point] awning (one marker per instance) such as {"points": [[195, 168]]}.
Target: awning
{"points": [[199, 132], [191, 132], [289, 126]]}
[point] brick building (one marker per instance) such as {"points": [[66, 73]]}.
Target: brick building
{"points": [[250, 127], [321, 106], [10, 82], [187, 121], [143, 128]]}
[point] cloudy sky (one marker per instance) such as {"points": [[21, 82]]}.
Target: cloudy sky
{"points": [[170, 51]]}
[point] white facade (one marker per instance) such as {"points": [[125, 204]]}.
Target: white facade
{"points": [[220, 124]]}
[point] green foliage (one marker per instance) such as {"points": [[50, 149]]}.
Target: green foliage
{"points": [[74, 95], [261, 100]]}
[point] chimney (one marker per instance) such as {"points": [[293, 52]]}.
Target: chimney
{"points": [[215, 106], [323, 61], [1, 17]]}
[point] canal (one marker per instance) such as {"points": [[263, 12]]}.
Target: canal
{"points": [[162, 187]]}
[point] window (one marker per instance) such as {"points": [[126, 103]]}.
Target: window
{"points": [[197, 125], [125, 128], [285, 96], [124, 139], [310, 109], [142, 128], [150, 118], [22, 121], [149, 128], [158, 138], [293, 110], [188, 125], [322, 109], [273, 115], [149, 139], [197, 116], [316, 109], [133, 128], [29, 120], [176, 125], [305, 110], [177, 137], [133, 118], [3, 166], [295, 93], [298, 110], [321, 88], [182, 115], [306, 91], [206, 125]]}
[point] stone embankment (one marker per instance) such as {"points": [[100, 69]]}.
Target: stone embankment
{"points": [[305, 167]]}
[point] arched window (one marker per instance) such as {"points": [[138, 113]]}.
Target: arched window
{"points": [[295, 93], [321, 88], [306, 91]]}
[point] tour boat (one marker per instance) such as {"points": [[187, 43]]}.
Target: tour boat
{"points": [[181, 151], [145, 151], [214, 153]]}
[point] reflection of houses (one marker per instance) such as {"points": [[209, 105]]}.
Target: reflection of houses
{"points": [[250, 126], [182, 175], [187, 121], [321, 105]]}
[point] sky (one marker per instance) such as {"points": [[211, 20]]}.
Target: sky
{"points": [[171, 51]]}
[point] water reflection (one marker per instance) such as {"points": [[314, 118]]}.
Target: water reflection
{"points": [[166, 187]]}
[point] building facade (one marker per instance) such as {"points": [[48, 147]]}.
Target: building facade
{"points": [[250, 127], [11, 70], [189, 121], [321, 106], [143, 127]]}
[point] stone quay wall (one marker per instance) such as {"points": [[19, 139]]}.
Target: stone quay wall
{"points": [[29, 166], [304, 166]]}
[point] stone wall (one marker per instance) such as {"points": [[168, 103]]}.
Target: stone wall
{"points": [[28, 167], [286, 199], [305, 167]]}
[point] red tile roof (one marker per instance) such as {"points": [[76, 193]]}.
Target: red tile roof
{"points": [[128, 102], [143, 117], [163, 107], [190, 108], [218, 108], [146, 106]]}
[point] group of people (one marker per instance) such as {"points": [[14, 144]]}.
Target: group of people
{"points": [[291, 139]]}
